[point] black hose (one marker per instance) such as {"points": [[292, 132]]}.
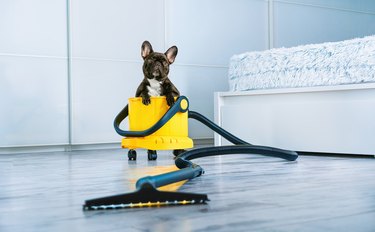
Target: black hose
{"points": [[241, 147], [119, 118], [228, 136], [189, 170], [183, 160]]}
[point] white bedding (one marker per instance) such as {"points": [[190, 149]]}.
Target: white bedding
{"points": [[335, 63]]}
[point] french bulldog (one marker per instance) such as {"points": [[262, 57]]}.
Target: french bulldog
{"points": [[156, 70]]}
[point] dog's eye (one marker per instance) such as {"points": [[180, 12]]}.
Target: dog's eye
{"points": [[148, 63]]}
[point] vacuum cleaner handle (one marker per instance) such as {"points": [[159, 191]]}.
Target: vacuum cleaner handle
{"points": [[175, 108]]}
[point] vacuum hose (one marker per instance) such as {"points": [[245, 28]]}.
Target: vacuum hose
{"points": [[147, 194], [189, 170]]}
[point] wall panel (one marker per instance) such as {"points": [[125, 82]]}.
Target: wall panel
{"points": [[115, 29], [100, 89], [346, 5], [296, 24], [33, 73], [199, 84], [33, 27], [209, 33], [34, 107], [106, 61]]}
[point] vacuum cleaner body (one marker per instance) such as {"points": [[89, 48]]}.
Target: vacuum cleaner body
{"points": [[171, 136]]}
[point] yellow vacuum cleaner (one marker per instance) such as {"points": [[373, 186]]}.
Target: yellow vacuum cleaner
{"points": [[173, 135], [167, 129]]}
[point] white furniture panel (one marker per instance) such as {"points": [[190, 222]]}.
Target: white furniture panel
{"points": [[302, 24], [209, 32], [36, 27], [100, 89], [199, 84], [115, 29], [338, 119], [34, 101]]}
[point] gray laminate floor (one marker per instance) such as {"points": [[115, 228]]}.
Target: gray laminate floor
{"points": [[45, 192]]}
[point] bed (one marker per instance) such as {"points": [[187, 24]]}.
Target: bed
{"points": [[313, 98]]}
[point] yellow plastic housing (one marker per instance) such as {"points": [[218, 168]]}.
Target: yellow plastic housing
{"points": [[173, 135]]}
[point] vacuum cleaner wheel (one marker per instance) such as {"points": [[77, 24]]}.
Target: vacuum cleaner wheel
{"points": [[152, 155], [132, 154]]}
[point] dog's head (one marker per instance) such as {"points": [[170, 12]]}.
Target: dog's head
{"points": [[156, 65]]}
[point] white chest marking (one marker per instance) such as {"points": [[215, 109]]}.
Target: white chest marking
{"points": [[155, 87]]}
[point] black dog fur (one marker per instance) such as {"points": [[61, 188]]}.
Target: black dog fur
{"points": [[156, 70]]}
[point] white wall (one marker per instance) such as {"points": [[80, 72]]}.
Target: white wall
{"points": [[68, 66], [314, 21], [33, 73]]}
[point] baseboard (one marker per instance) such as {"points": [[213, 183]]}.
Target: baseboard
{"points": [[32, 149], [79, 147], [204, 141], [343, 155]]}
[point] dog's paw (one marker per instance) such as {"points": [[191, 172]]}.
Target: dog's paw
{"points": [[170, 100], [146, 100]]}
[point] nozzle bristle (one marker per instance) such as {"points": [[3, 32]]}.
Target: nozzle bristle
{"points": [[142, 204]]}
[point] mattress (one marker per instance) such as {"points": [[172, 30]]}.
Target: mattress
{"points": [[334, 63]]}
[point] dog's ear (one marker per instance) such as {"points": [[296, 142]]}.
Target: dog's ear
{"points": [[171, 54], [146, 49]]}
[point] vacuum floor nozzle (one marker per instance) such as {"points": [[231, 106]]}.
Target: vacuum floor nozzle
{"points": [[146, 196]]}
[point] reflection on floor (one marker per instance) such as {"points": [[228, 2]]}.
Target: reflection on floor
{"points": [[45, 192]]}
